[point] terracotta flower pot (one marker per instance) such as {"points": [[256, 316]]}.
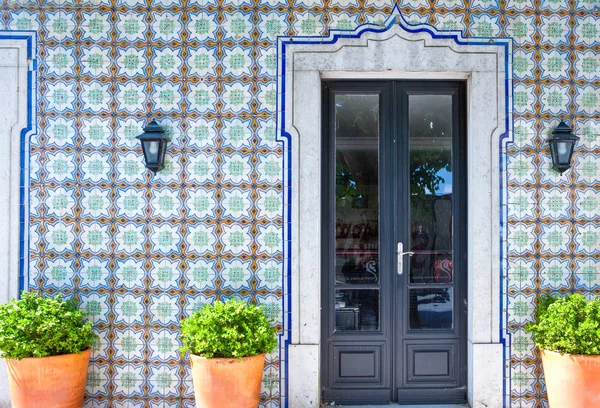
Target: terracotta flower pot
{"points": [[49, 382], [227, 382], [572, 381]]}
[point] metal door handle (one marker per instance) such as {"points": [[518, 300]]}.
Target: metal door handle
{"points": [[399, 254]]}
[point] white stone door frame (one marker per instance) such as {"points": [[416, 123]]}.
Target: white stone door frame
{"points": [[396, 50], [17, 117]]}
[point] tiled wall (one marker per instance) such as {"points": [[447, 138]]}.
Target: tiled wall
{"points": [[141, 251]]}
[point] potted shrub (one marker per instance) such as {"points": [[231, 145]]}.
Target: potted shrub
{"points": [[46, 344], [567, 331], [228, 343]]}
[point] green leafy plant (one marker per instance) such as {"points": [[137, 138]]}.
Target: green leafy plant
{"points": [[568, 325], [232, 329], [36, 326]]}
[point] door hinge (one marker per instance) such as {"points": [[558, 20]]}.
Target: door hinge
{"points": [[466, 305]]}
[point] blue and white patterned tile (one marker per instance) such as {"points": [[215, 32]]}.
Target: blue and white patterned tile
{"points": [[555, 64], [521, 238], [164, 345], [555, 99], [555, 273], [23, 20], [129, 380], [586, 168], [524, 65], [554, 29], [521, 274], [60, 96], [555, 5], [94, 273], [165, 274], [167, 62], [131, 96], [520, 309], [202, 238], [237, 26], [95, 237], [59, 273], [524, 98], [485, 25], [587, 204], [200, 274], [61, 131], [450, 22], [164, 309], [587, 239], [522, 345], [587, 31], [555, 203], [129, 309], [60, 25], [129, 274], [60, 237], [587, 273], [587, 100], [201, 26], [166, 26], [589, 132], [555, 238], [128, 344], [521, 29], [521, 168], [523, 379], [164, 381], [96, 384], [236, 275], [96, 307], [521, 204]]}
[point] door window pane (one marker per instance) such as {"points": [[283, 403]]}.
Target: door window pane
{"points": [[357, 309], [357, 189], [431, 189], [430, 308]]}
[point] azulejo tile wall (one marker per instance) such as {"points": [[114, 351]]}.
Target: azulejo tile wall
{"points": [[140, 252]]}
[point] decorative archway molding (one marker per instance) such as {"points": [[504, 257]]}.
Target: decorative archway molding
{"points": [[395, 50]]}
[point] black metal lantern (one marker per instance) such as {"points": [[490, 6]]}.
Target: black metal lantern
{"points": [[154, 145], [562, 145]]}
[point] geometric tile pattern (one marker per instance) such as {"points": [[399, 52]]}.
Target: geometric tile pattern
{"points": [[139, 252]]}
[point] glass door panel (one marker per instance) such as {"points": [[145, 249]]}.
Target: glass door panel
{"points": [[356, 130], [431, 221], [430, 152]]}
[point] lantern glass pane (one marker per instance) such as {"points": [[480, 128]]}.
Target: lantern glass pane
{"points": [[151, 150], [564, 152]]}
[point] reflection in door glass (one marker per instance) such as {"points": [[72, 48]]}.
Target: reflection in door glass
{"points": [[431, 308], [357, 309], [430, 121], [357, 189], [357, 211]]}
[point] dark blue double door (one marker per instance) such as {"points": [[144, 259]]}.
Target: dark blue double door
{"points": [[394, 233]]}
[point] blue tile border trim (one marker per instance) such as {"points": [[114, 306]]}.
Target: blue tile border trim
{"points": [[395, 17], [31, 129]]}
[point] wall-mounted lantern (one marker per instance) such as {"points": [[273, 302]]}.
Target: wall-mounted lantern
{"points": [[154, 145], [562, 145]]}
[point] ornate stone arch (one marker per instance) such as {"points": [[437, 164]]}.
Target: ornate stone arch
{"points": [[394, 50]]}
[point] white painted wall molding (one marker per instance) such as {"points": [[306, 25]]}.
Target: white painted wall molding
{"points": [[17, 112], [396, 51]]}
